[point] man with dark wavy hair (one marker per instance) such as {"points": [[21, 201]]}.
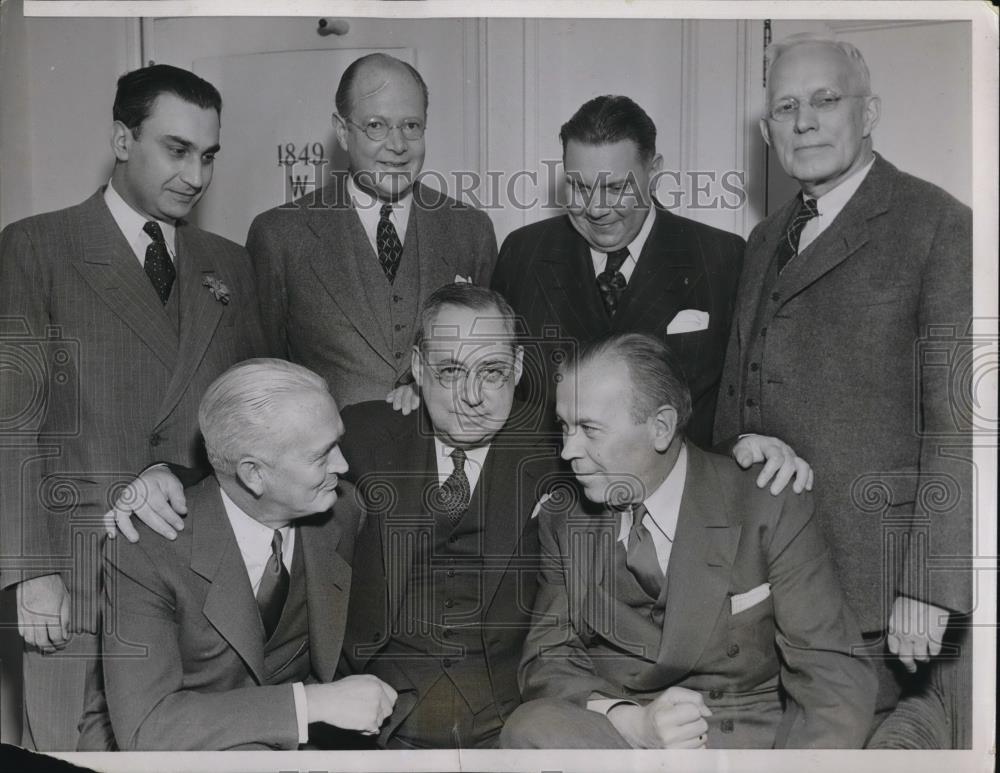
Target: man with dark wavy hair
{"points": [[129, 313]]}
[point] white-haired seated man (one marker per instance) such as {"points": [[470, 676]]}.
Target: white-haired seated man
{"points": [[229, 636]]}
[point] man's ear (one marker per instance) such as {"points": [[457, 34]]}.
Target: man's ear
{"points": [[340, 127], [121, 140], [765, 131], [518, 363], [664, 427], [251, 475], [873, 111], [416, 366]]}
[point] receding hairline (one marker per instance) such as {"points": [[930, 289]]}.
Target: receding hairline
{"points": [[850, 55], [383, 64]]}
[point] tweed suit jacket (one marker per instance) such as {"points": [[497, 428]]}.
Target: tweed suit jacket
{"points": [[854, 357], [184, 642], [102, 385], [392, 460], [318, 310], [546, 272], [778, 673]]}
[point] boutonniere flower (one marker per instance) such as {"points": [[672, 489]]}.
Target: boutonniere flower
{"points": [[217, 287]]}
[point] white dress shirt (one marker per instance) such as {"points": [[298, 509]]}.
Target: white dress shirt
{"points": [[369, 209], [254, 541], [131, 222], [634, 248], [475, 458], [830, 204], [664, 507]]}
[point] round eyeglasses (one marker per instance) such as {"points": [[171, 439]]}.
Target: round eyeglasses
{"points": [[822, 101], [489, 376], [377, 128]]}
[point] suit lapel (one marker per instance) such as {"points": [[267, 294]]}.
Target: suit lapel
{"points": [[339, 229], [698, 576], [112, 271], [200, 311], [845, 235], [415, 470], [565, 274], [229, 603], [328, 586], [665, 272], [431, 242]]}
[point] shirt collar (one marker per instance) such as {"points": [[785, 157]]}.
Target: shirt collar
{"points": [[634, 247], [664, 504], [252, 536], [370, 207], [831, 202], [443, 453], [131, 222]]}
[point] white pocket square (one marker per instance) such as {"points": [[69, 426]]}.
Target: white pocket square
{"points": [[465, 280], [743, 601], [688, 321], [541, 503]]}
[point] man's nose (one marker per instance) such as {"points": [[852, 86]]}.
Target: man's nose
{"points": [[472, 388], [805, 118], [193, 173], [395, 141], [337, 464], [569, 445]]}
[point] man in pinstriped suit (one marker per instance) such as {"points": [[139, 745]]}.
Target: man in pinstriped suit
{"points": [[117, 314]]}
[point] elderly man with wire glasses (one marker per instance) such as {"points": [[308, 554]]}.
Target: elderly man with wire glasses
{"points": [[344, 270], [852, 326]]}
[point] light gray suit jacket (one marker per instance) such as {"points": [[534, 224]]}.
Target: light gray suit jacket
{"points": [[312, 259]]}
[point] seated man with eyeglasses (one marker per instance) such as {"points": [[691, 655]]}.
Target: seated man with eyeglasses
{"points": [[345, 269], [445, 566], [440, 601]]}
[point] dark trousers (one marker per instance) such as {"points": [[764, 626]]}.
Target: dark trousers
{"points": [[549, 723]]}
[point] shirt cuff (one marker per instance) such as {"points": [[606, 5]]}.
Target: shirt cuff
{"points": [[301, 711], [604, 705]]}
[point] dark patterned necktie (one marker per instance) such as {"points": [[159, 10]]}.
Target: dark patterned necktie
{"points": [[789, 246], [158, 265], [611, 281], [455, 494], [273, 588], [640, 557], [390, 249]]}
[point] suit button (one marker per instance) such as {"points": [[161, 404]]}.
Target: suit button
{"points": [[449, 603], [398, 355], [396, 299], [763, 332], [751, 402], [448, 633], [446, 662], [731, 390], [376, 636], [775, 296], [726, 726], [397, 328], [733, 651], [451, 572], [154, 439], [715, 694], [754, 367]]}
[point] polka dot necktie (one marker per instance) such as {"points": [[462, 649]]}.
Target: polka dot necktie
{"points": [[158, 265], [611, 281], [390, 249], [455, 493]]}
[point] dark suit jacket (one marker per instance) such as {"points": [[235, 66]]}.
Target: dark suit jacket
{"points": [[317, 309], [392, 460], [102, 385], [189, 606], [855, 357], [791, 649], [546, 272]]}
